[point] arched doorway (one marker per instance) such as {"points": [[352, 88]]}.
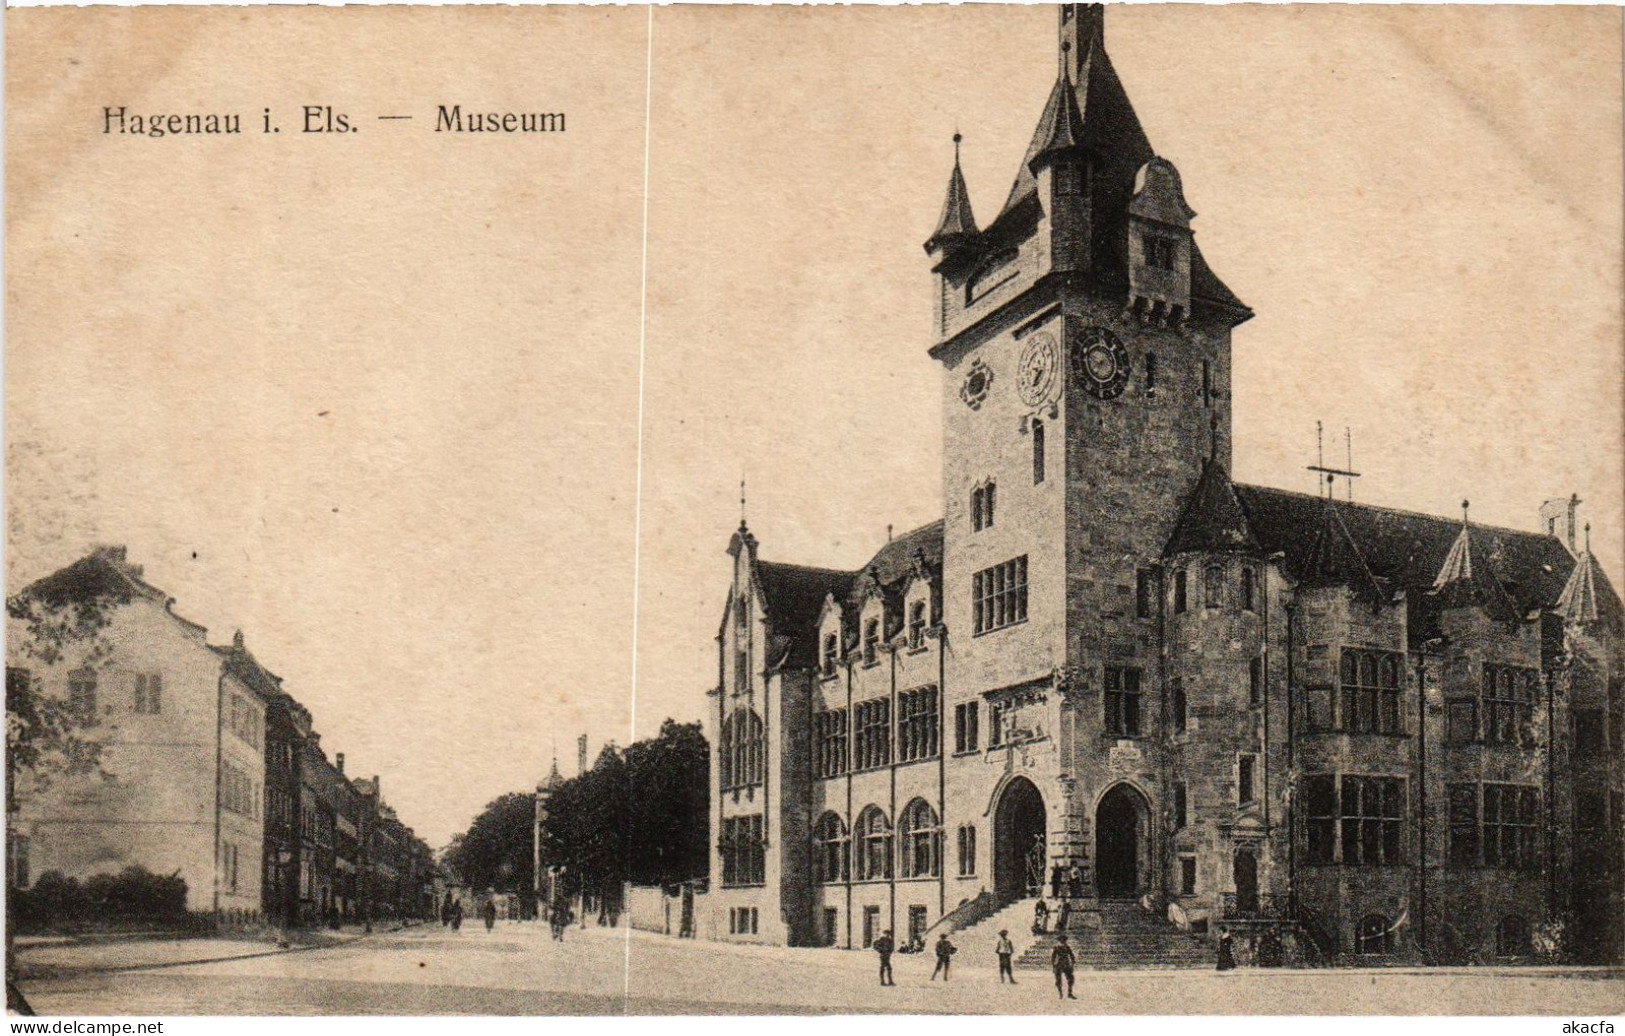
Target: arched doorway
{"points": [[1018, 830], [1122, 843]]}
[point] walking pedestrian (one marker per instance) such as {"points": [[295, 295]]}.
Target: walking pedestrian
{"points": [[945, 956], [490, 913], [1061, 962], [1006, 951], [1063, 917], [1057, 874], [1227, 957], [884, 946], [1040, 917], [457, 916]]}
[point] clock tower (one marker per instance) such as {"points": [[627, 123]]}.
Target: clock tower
{"points": [[1085, 349]]}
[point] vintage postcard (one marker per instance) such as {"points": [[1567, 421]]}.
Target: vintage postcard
{"points": [[942, 510]]}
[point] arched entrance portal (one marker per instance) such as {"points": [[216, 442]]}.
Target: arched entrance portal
{"points": [[1122, 843], [1018, 838]]}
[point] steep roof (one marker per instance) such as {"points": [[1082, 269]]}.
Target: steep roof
{"points": [[795, 594], [1405, 549], [1105, 123], [1579, 601], [104, 572], [1213, 519], [1334, 559], [1465, 581], [957, 222]]}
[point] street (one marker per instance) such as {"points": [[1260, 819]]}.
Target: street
{"points": [[518, 970]]}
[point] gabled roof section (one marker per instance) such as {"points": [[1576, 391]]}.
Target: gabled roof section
{"points": [[1213, 520], [104, 572]]}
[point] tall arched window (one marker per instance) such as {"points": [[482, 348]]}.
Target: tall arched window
{"points": [[1038, 451], [725, 753], [1372, 936], [743, 752], [1215, 586], [829, 848], [874, 849], [921, 835]]}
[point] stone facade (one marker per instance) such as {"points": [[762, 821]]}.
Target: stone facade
{"points": [[210, 770], [1108, 663]]}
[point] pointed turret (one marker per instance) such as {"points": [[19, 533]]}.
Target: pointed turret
{"points": [[1213, 520], [1334, 559], [1467, 578], [1578, 603], [1105, 120], [1060, 128], [958, 223]]}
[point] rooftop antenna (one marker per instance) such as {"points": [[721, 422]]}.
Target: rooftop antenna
{"points": [[1333, 474]]}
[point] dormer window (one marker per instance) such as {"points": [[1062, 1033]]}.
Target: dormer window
{"points": [[982, 499], [871, 641], [831, 651], [916, 625]]}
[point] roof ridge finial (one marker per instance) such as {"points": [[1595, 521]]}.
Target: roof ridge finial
{"points": [[742, 503], [1465, 504], [1066, 48], [1588, 537]]}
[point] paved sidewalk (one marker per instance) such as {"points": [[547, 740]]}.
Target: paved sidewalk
{"points": [[55, 957]]}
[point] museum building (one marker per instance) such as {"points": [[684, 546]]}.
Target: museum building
{"points": [[1112, 677]]}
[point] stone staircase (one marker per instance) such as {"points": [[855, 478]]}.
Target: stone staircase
{"points": [[979, 939], [1119, 934]]}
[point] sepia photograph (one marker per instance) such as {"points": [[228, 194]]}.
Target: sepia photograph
{"points": [[996, 509]]}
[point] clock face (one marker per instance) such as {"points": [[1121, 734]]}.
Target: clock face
{"points": [[1100, 362], [1040, 361]]}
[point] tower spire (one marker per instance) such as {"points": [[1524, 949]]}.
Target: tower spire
{"points": [[958, 223]]}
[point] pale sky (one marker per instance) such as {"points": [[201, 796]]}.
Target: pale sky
{"points": [[375, 400]]}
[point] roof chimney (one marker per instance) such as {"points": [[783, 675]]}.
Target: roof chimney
{"points": [[338, 762]]}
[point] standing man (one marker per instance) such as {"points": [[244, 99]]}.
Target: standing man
{"points": [[945, 956], [1075, 881], [1006, 951], [884, 946], [1061, 961]]}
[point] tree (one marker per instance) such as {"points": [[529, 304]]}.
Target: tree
{"points": [[638, 815], [60, 618], [669, 806], [495, 851]]}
